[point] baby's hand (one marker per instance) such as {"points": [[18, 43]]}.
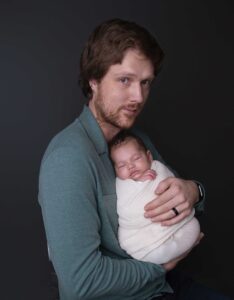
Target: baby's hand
{"points": [[148, 175]]}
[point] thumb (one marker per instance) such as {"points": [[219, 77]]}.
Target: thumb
{"points": [[163, 186]]}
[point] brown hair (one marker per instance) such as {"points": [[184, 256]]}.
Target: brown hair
{"points": [[107, 45]]}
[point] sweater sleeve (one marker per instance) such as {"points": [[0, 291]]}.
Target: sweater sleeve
{"points": [[67, 194]]}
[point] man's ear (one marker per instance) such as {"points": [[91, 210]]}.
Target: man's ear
{"points": [[93, 85], [149, 155]]}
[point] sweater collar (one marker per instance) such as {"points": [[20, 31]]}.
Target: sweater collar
{"points": [[93, 130]]}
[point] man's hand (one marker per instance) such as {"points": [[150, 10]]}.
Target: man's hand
{"points": [[172, 193], [172, 264]]}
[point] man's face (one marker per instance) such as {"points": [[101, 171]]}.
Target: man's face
{"points": [[130, 160], [121, 94]]}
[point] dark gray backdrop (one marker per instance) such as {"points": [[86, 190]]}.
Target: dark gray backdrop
{"points": [[189, 116]]}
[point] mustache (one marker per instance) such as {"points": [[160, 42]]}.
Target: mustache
{"points": [[135, 106]]}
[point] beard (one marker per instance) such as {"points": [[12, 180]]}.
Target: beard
{"points": [[122, 117]]}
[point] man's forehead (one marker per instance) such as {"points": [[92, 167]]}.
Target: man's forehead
{"points": [[134, 63]]}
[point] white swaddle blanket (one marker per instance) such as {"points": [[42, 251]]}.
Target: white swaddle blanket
{"points": [[138, 236]]}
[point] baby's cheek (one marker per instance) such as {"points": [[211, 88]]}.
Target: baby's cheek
{"points": [[117, 172], [125, 174]]}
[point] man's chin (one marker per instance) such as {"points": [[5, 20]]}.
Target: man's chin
{"points": [[126, 124]]}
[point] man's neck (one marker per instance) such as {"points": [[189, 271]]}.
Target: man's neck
{"points": [[109, 130]]}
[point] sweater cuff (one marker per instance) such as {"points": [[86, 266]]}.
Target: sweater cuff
{"points": [[200, 205]]}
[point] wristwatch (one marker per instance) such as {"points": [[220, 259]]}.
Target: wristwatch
{"points": [[200, 190]]}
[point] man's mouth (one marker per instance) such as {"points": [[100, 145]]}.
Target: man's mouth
{"points": [[131, 111]]}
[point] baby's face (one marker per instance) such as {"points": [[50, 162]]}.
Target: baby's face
{"points": [[130, 160]]}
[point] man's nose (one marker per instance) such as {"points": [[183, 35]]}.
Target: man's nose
{"points": [[137, 93]]}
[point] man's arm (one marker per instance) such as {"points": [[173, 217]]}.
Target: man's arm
{"points": [[72, 224]]}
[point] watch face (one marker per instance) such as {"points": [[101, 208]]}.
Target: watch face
{"points": [[200, 191]]}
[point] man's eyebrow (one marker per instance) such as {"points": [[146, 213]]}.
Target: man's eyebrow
{"points": [[129, 74], [124, 74]]}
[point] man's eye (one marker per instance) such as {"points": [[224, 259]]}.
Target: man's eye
{"points": [[146, 82], [124, 80]]}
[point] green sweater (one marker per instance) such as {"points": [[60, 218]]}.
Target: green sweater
{"points": [[78, 201]]}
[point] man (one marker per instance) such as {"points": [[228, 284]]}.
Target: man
{"points": [[77, 179]]}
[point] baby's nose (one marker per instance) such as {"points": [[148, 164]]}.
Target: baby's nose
{"points": [[131, 165]]}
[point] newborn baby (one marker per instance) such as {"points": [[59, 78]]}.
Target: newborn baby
{"points": [[138, 176]]}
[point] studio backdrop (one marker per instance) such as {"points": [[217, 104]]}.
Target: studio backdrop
{"points": [[189, 117]]}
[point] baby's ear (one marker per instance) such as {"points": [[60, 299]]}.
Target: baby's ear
{"points": [[149, 155]]}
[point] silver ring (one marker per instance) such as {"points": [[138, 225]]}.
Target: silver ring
{"points": [[175, 211]]}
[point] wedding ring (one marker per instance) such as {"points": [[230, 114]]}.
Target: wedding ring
{"points": [[175, 211]]}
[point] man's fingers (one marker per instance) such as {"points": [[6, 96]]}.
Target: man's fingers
{"points": [[200, 237], [160, 204], [174, 194], [163, 185], [171, 265], [168, 218]]}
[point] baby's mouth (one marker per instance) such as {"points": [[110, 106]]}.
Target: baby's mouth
{"points": [[134, 174]]}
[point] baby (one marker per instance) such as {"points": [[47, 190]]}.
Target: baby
{"points": [[138, 176]]}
